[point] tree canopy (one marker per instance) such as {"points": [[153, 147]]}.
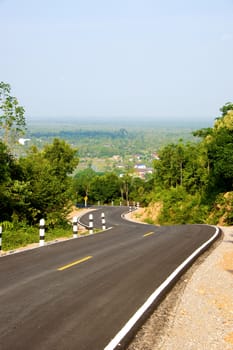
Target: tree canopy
{"points": [[190, 178], [12, 119]]}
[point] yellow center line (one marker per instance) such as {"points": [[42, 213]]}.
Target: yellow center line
{"points": [[74, 263], [148, 234]]}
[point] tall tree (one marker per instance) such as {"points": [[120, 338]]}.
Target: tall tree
{"points": [[12, 120], [220, 150], [9, 183], [62, 157], [82, 183], [218, 142]]}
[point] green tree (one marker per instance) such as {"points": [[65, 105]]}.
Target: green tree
{"points": [[6, 163], [183, 165], [220, 152], [125, 186], [10, 184], [226, 108], [218, 142], [105, 188], [50, 189], [12, 120], [137, 190], [82, 183], [62, 158], [169, 168]]}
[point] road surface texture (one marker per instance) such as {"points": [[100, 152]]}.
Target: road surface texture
{"points": [[197, 314], [78, 294]]}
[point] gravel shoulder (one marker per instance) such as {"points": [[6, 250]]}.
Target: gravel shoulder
{"points": [[198, 313]]}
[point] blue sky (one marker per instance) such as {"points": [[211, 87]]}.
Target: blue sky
{"points": [[153, 59]]}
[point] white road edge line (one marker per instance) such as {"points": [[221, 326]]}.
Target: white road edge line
{"points": [[132, 321]]}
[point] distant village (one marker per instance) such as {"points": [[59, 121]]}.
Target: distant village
{"points": [[140, 169]]}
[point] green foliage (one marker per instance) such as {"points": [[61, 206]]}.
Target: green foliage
{"points": [[226, 108], [220, 152], [105, 188], [82, 183], [9, 183], [37, 185], [12, 120], [222, 209], [108, 187], [182, 165], [64, 230], [49, 188], [61, 157], [180, 207], [21, 234], [6, 163], [190, 178]]}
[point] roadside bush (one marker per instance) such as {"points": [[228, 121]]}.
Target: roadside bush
{"points": [[20, 234], [180, 207]]}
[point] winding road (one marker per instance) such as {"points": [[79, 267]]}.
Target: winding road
{"points": [[83, 293]]}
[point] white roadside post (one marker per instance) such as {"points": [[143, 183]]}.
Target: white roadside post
{"points": [[75, 227], [0, 240], [90, 224], [42, 232], [103, 221]]}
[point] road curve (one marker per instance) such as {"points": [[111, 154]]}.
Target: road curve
{"points": [[80, 294]]}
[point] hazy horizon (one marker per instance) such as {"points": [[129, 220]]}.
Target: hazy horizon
{"points": [[122, 122], [120, 59]]}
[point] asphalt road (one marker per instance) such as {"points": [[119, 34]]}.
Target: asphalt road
{"points": [[78, 294]]}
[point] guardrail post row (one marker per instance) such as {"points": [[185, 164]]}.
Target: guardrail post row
{"points": [[103, 221], [42, 232], [0, 240], [90, 224], [75, 227]]}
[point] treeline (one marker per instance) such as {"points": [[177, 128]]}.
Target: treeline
{"points": [[80, 134], [108, 187]]}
